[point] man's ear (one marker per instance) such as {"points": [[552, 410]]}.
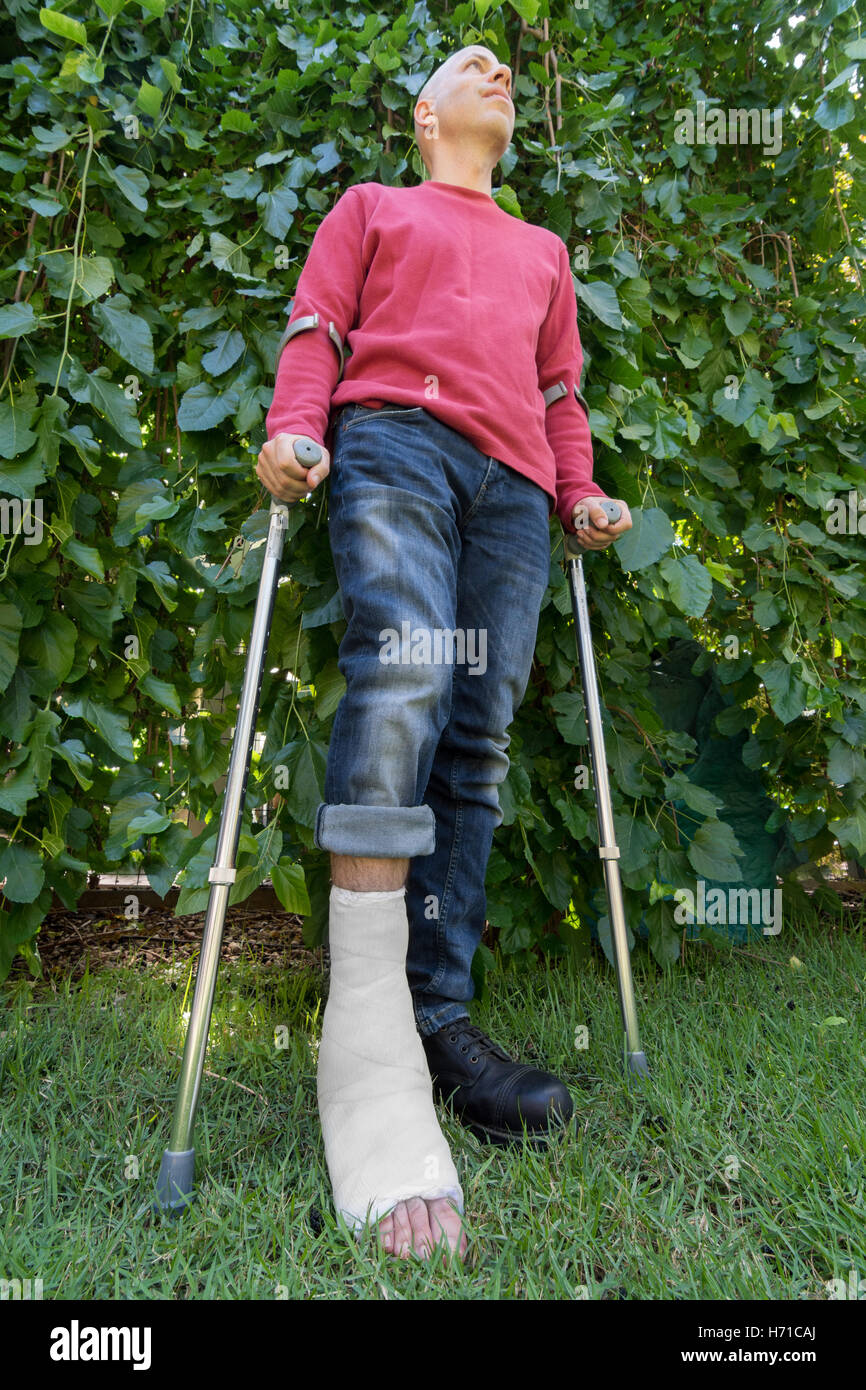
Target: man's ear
{"points": [[425, 111]]}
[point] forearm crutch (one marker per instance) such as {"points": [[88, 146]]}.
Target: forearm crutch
{"points": [[634, 1060], [176, 1181]]}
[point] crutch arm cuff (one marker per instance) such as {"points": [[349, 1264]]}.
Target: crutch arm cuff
{"points": [[558, 389], [301, 325]]}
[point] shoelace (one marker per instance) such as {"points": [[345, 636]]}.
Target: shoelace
{"points": [[480, 1041]]}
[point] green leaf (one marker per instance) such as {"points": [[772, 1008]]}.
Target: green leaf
{"points": [[240, 121], [637, 842], [664, 934], [50, 647], [10, 632], [18, 789], [835, 109], [106, 722], [737, 317], [15, 436], [21, 866], [600, 298], [163, 692], [786, 692], [844, 763], [203, 408], [650, 536], [150, 822], [243, 184], [680, 788], [85, 556], [149, 99], [141, 503], [133, 183], [689, 582], [713, 852], [66, 28], [76, 757], [570, 721], [736, 408], [767, 609], [128, 334], [228, 347], [16, 320], [290, 887], [850, 831], [527, 9], [305, 761], [507, 199], [172, 75], [267, 848], [330, 688], [277, 210], [110, 400]]}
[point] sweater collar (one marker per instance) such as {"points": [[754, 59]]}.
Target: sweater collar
{"points": [[458, 188]]}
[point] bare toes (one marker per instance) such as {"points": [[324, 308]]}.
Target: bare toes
{"points": [[423, 1239], [402, 1231], [447, 1225], [386, 1232]]}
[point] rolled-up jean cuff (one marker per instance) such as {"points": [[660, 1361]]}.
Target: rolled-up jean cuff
{"points": [[375, 832]]}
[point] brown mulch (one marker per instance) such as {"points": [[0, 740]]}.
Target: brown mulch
{"points": [[70, 943]]}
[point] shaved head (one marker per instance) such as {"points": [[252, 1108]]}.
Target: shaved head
{"points": [[430, 91], [445, 89]]}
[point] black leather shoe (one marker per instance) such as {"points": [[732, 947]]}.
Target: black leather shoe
{"points": [[493, 1095]]}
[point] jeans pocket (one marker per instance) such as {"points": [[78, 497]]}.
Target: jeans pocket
{"points": [[385, 412]]}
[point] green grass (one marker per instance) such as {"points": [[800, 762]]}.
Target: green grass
{"points": [[736, 1172]]}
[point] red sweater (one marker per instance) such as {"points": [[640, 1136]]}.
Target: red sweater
{"points": [[448, 302]]}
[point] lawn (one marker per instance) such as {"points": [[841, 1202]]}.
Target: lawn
{"points": [[735, 1172]]}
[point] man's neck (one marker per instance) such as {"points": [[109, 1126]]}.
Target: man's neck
{"points": [[464, 170]]}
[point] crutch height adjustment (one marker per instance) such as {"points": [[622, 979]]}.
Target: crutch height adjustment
{"points": [[218, 875]]}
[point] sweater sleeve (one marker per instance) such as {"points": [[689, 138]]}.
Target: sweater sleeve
{"points": [[330, 284], [559, 356]]}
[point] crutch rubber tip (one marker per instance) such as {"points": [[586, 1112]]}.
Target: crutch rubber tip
{"points": [[176, 1182], [637, 1064]]}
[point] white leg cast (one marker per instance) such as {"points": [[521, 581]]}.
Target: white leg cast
{"points": [[382, 1139]]}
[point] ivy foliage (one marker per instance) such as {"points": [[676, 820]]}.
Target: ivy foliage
{"points": [[164, 170]]}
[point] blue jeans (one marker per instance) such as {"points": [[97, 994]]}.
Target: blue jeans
{"points": [[442, 556]]}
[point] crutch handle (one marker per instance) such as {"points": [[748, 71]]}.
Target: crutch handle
{"points": [[307, 452], [613, 512], [611, 509]]}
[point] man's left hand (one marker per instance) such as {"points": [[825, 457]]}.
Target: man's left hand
{"points": [[596, 532]]}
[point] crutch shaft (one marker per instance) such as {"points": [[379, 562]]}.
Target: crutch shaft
{"points": [[175, 1183], [607, 847], [223, 872]]}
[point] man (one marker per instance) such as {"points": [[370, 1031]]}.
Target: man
{"points": [[447, 462]]}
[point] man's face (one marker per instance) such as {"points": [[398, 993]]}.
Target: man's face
{"points": [[471, 99]]}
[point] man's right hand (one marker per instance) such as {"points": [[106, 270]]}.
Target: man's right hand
{"points": [[279, 470]]}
